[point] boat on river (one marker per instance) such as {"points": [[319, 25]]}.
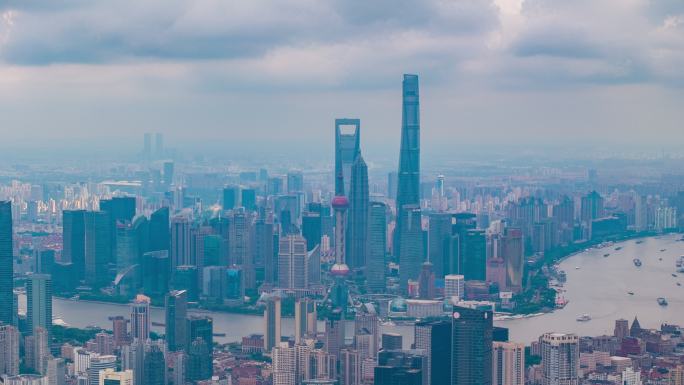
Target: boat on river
{"points": [[637, 262], [662, 301], [584, 318]]}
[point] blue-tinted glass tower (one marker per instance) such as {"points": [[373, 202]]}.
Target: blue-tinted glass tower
{"points": [[408, 187], [347, 147], [357, 233], [6, 265]]}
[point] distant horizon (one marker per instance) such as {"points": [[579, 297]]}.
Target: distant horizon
{"points": [[521, 72]]}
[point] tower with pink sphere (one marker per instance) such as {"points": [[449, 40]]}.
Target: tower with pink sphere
{"points": [[339, 293], [340, 204]]}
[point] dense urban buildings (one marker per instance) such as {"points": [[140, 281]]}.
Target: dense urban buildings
{"points": [[353, 272]]}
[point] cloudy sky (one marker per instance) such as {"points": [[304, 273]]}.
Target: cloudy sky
{"points": [[273, 74]]}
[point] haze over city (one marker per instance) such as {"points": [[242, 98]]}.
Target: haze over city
{"points": [[218, 77]]}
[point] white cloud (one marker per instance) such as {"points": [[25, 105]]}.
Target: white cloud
{"points": [[169, 52]]}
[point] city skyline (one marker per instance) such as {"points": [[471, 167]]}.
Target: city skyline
{"points": [[187, 196]]}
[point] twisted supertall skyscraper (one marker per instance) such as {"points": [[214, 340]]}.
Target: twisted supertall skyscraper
{"points": [[408, 189], [6, 263]]}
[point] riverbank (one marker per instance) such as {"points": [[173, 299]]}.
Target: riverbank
{"points": [[540, 297], [599, 288]]}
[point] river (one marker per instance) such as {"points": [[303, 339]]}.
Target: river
{"points": [[596, 285]]}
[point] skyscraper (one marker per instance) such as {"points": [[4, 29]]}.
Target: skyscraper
{"points": [[39, 352], [180, 241], [202, 327], [155, 273], [158, 144], [120, 209], [283, 364], [305, 318], [168, 173], [200, 331], [471, 347], [435, 338], [154, 372], [199, 361], [377, 247], [176, 312], [350, 367], [265, 255], [334, 333], [339, 292], [621, 329], [295, 182], [98, 247], [454, 286], [56, 371], [6, 264], [230, 197], [159, 230], [9, 350], [591, 208], [140, 318], [439, 232], [240, 236], [560, 359], [347, 147], [474, 255], [248, 199], [39, 302], [426, 282], [98, 364], [408, 188], [509, 363], [405, 367], [357, 232], [513, 255], [73, 238], [292, 267], [311, 229], [366, 322], [271, 323], [411, 241]]}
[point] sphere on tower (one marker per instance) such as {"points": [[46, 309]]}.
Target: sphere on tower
{"points": [[339, 269], [340, 202]]}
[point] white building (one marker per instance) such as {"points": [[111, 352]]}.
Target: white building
{"points": [[478, 305], [292, 266], [423, 308], [630, 377], [560, 359], [283, 364], [81, 360], [454, 286], [665, 218], [26, 379], [113, 377], [508, 363], [140, 317], [98, 365]]}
